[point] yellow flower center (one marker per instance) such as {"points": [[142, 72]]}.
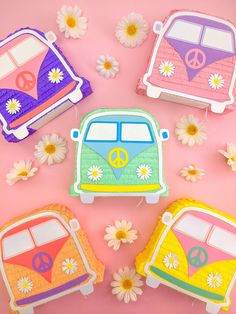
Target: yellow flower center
{"points": [[69, 266], [216, 81], [121, 234], [127, 284], [23, 173], [171, 260], [192, 172], [71, 22], [233, 158], [50, 149], [131, 30], [144, 171], [95, 173], [55, 75], [25, 285], [13, 105], [107, 65], [167, 68], [192, 129]]}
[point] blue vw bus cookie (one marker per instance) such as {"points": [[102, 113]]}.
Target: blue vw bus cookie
{"points": [[119, 153]]}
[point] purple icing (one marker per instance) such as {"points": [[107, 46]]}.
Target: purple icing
{"points": [[45, 88], [203, 55], [42, 262], [54, 291]]}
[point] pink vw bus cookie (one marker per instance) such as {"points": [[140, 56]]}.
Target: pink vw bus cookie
{"points": [[193, 61], [36, 83]]}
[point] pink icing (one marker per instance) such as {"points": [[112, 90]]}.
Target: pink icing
{"points": [[199, 86], [32, 66], [214, 255]]}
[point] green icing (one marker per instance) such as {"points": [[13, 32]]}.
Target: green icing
{"points": [[129, 176], [186, 286], [90, 158]]}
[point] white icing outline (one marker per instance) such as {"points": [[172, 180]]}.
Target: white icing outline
{"points": [[216, 106], [127, 113], [61, 294], [56, 104], [158, 247]]}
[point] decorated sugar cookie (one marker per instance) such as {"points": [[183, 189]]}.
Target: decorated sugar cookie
{"points": [[193, 61], [46, 255], [193, 250], [36, 83], [119, 153]]}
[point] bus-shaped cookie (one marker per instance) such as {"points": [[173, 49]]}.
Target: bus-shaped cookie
{"points": [[46, 255], [193, 61], [119, 153], [193, 250], [36, 83]]}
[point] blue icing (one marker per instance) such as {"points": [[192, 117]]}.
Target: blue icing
{"points": [[133, 148]]}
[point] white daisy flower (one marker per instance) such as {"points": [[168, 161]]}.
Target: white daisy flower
{"points": [[95, 173], [55, 75], [214, 280], [107, 66], [71, 22], [13, 106], [24, 285], [120, 232], [69, 266], [230, 154], [192, 173], [190, 131], [131, 30], [167, 68], [144, 172], [22, 170], [216, 81], [126, 284], [51, 149], [171, 261]]}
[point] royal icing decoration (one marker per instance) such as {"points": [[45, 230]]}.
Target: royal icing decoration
{"points": [[69, 266], [167, 68], [199, 65], [36, 83], [214, 280], [52, 255], [55, 75], [119, 152], [216, 81], [24, 285], [13, 106], [171, 261], [144, 172], [95, 173], [192, 250]]}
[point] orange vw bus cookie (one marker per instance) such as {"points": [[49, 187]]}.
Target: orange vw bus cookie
{"points": [[46, 255], [193, 250]]}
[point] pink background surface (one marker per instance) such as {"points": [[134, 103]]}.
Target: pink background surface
{"points": [[51, 184]]}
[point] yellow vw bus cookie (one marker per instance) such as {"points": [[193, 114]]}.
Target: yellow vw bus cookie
{"points": [[119, 153], [46, 255], [193, 250]]}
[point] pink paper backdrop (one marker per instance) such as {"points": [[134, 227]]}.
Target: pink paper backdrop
{"points": [[51, 184]]}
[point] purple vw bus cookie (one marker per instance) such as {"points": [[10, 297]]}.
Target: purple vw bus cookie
{"points": [[193, 61], [37, 83]]}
